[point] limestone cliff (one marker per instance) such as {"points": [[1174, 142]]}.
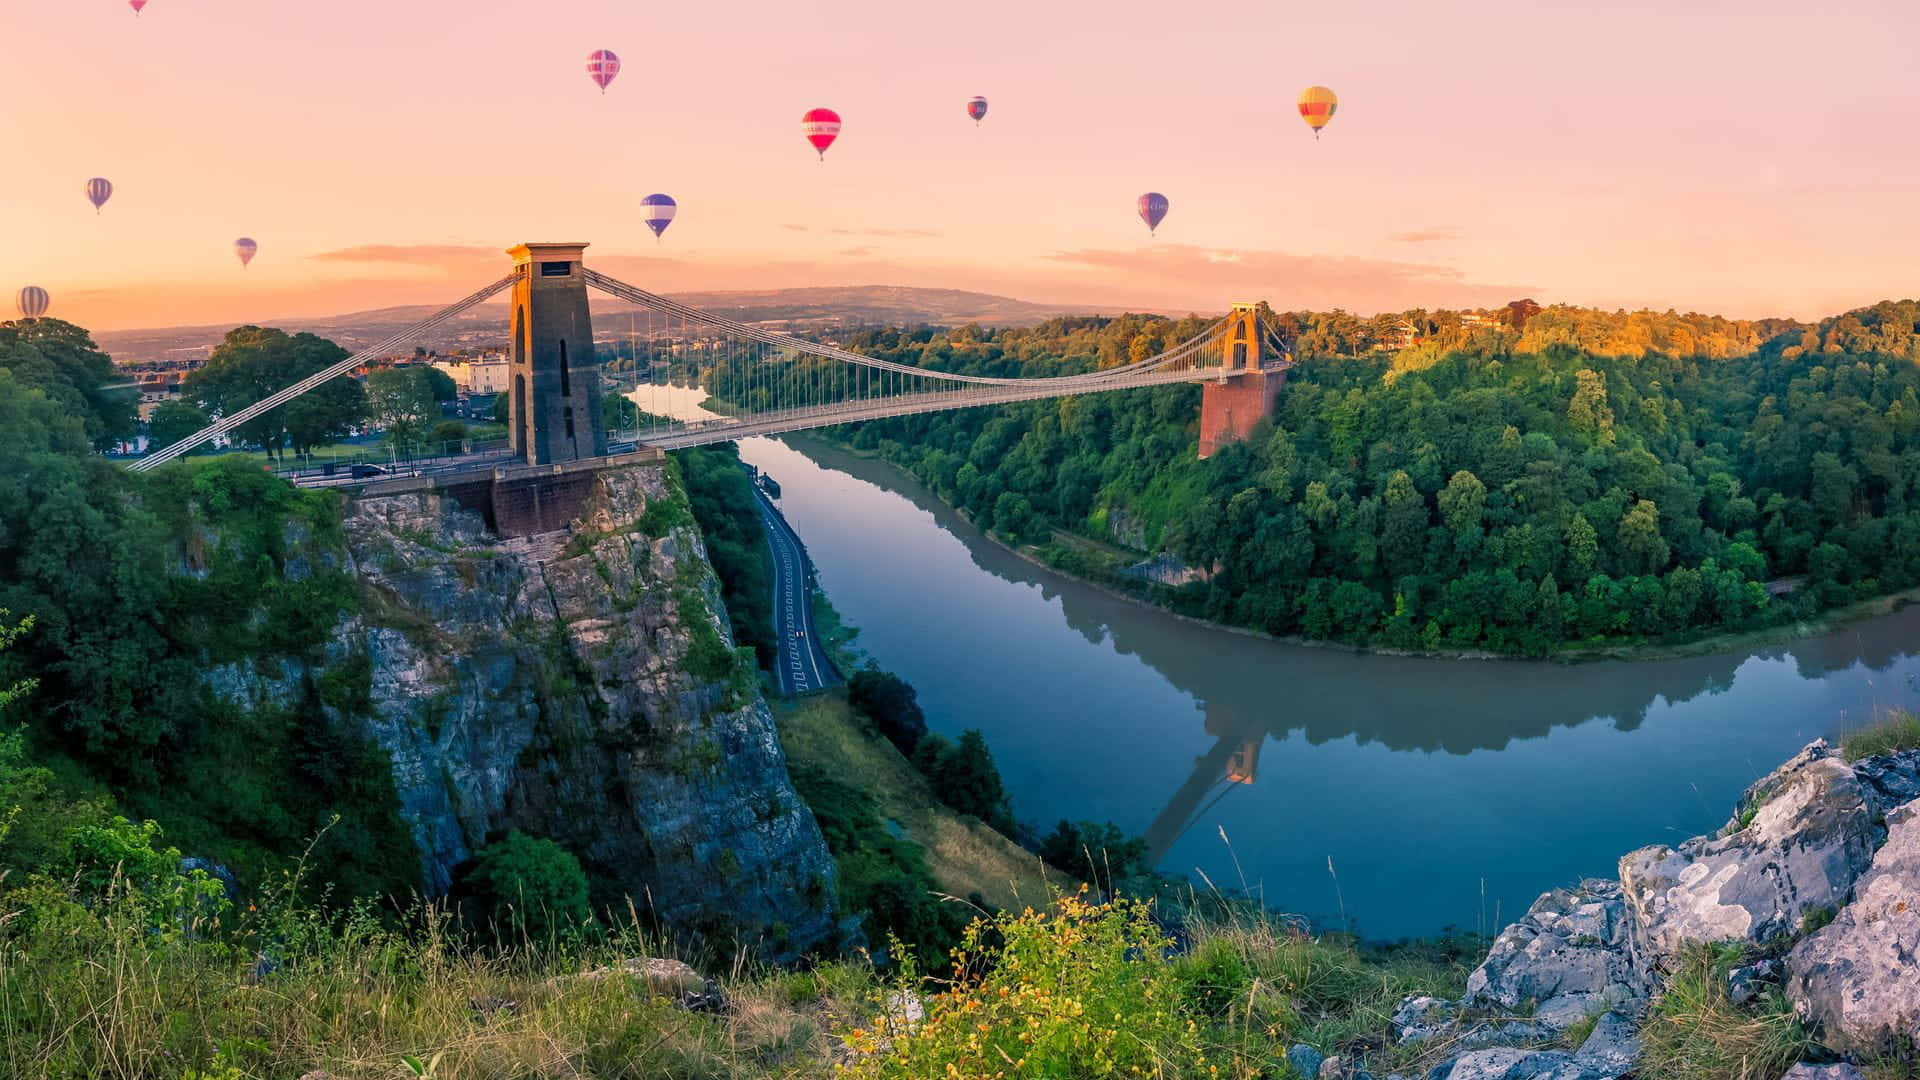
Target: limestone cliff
{"points": [[581, 686]]}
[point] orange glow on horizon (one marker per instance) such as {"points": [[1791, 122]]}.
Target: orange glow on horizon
{"points": [[382, 154]]}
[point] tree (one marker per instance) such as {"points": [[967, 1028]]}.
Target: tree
{"points": [[529, 885], [1640, 540], [251, 363], [440, 383], [174, 420], [1588, 412], [893, 706], [401, 400], [1404, 536], [61, 361], [964, 777], [447, 431], [1462, 503], [1095, 852]]}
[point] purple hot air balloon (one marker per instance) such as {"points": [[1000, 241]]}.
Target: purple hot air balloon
{"points": [[32, 302], [99, 190], [977, 108], [602, 66], [1153, 208], [246, 249], [659, 210]]}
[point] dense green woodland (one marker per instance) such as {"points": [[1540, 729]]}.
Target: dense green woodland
{"points": [[1581, 478]]}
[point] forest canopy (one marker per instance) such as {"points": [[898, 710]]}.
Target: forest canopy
{"points": [[1519, 482]]}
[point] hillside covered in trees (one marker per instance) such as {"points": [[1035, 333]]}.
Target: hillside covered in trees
{"points": [[1520, 482]]}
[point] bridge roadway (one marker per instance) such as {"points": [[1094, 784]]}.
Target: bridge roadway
{"points": [[726, 429], [803, 664]]}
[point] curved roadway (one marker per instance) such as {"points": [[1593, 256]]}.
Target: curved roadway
{"points": [[803, 665]]}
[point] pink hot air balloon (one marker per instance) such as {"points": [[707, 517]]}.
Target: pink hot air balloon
{"points": [[246, 249], [32, 302], [136, 5], [99, 190], [602, 66], [821, 126]]}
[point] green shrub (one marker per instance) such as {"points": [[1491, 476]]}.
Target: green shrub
{"points": [[1076, 990], [528, 886], [964, 777]]}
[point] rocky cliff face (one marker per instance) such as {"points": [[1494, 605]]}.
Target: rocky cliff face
{"points": [[580, 686]]}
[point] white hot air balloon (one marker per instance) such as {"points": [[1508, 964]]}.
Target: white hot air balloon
{"points": [[33, 302]]}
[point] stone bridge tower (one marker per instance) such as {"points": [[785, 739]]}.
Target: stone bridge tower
{"points": [[553, 379], [1232, 405]]}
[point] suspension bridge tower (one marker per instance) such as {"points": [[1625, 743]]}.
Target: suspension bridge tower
{"points": [[1232, 405], [553, 378]]}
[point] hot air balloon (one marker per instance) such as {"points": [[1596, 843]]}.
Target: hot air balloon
{"points": [[602, 66], [32, 302], [245, 248], [1317, 105], [821, 126], [99, 190], [977, 108], [1153, 208], [660, 210], [136, 5]]}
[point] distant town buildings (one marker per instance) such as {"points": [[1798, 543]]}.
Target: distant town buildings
{"points": [[481, 373]]}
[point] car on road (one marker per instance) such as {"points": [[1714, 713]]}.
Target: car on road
{"points": [[361, 472]]}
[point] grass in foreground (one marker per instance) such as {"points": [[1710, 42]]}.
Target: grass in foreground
{"points": [[127, 985], [1695, 1032], [1898, 730]]}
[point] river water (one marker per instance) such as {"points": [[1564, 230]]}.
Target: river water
{"points": [[1442, 793]]}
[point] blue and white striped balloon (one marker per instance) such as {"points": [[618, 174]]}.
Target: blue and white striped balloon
{"points": [[33, 302], [659, 212], [99, 190]]}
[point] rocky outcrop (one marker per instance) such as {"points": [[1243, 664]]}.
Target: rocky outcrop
{"points": [[1803, 836], [1800, 848], [1567, 959], [1167, 569], [1859, 978], [581, 686]]}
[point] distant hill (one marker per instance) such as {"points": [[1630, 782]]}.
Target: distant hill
{"points": [[851, 305]]}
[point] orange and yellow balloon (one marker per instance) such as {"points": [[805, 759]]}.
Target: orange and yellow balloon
{"points": [[1317, 105]]}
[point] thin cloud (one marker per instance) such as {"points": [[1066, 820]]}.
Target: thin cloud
{"points": [[1288, 280], [1424, 236], [888, 234], [407, 254], [856, 252]]}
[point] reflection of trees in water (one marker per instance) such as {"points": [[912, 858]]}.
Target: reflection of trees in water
{"points": [[1251, 687]]}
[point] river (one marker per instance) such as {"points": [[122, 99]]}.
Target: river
{"points": [[1441, 793]]}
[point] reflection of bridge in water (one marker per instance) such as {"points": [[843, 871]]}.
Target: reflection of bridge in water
{"points": [[1406, 704]]}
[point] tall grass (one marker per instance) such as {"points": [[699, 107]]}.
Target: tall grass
{"points": [[1695, 1032], [132, 984], [1896, 730]]}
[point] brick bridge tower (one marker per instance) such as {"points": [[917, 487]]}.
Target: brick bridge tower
{"points": [[553, 379], [1244, 394]]}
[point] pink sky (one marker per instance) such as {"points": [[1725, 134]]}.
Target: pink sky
{"points": [[1752, 159]]}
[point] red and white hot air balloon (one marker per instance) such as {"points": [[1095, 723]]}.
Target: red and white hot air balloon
{"points": [[246, 249], [99, 190], [32, 302], [602, 66], [821, 127], [136, 5]]}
